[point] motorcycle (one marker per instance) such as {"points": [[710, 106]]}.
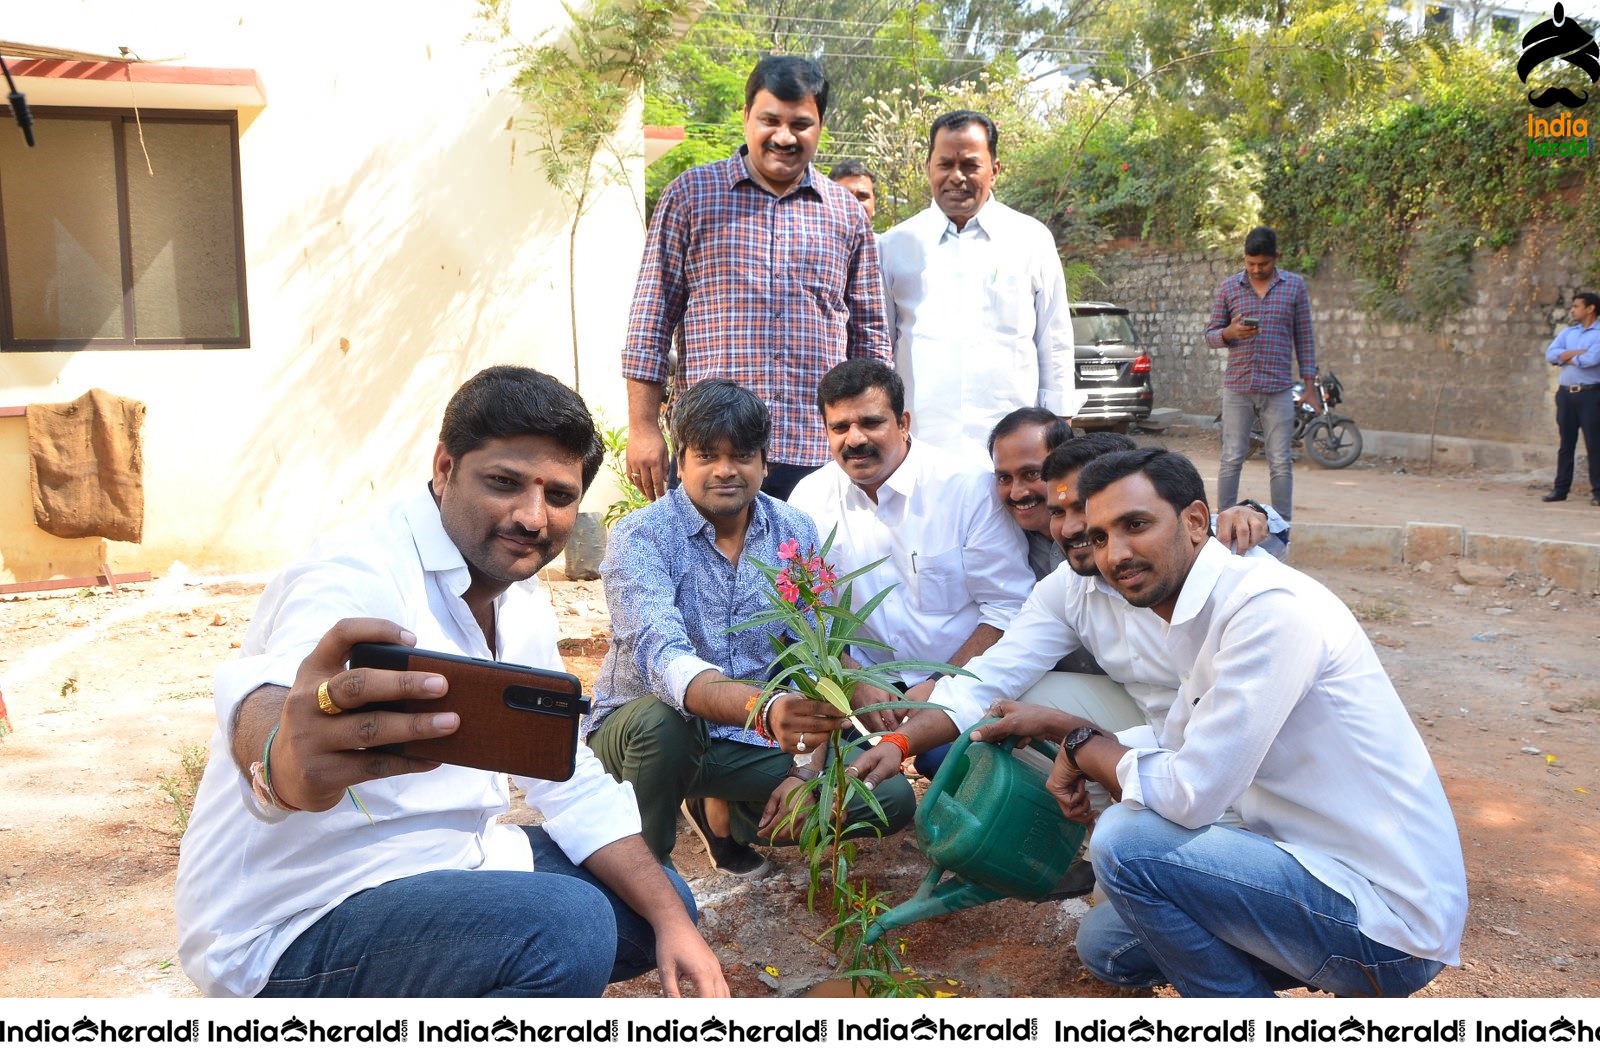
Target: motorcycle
{"points": [[1331, 440]]}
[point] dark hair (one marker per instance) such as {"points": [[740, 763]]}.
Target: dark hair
{"points": [[791, 78], [1588, 296], [1074, 453], [1261, 241], [854, 376], [510, 400], [850, 167], [1174, 477], [1056, 430], [957, 120], [720, 410]]}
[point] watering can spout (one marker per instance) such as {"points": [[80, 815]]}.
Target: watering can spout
{"points": [[933, 898], [988, 821]]}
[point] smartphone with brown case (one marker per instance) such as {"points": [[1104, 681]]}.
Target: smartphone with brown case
{"points": [[514, 719]]}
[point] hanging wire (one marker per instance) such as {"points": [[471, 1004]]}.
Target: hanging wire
{"points": [[19, 105]]}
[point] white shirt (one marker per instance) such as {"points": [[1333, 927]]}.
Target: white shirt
{"points": [[1285, 713], [1064, 612], [251, 880], [957, 557], [979, 322]]}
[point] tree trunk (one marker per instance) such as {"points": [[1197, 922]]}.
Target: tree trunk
{"points": [[572, 284]]}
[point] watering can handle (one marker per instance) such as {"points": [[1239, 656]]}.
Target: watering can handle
{"points": [[1043, 746], [958, 747]]}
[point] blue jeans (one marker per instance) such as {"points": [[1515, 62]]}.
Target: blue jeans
{"points": [[1239, 412], [553, 932], [1221, 912]]}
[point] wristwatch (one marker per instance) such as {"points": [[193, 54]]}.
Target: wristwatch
{"points": [[1076, 739], [1247, 503]]}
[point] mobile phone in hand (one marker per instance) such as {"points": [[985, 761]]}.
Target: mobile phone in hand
{"points": [[1251, 322], [514, 719]]}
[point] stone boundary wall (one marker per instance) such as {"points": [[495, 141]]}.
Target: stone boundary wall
{"points": [[1485, 368], [1565, 564]]}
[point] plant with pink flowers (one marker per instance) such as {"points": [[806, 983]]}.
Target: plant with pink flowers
{"points": [[817, 607]]}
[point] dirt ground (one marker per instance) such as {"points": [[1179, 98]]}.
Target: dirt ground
{"points": [[105, 693]]}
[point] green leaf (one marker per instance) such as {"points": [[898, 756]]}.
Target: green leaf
{"points": [[832, 693]]}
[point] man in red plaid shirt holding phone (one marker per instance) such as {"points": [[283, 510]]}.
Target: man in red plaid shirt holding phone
{"points": [[1263, 317]]}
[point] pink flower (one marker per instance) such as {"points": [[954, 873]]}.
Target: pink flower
{"points": [[1124, 167], [786, 588], [789, 550], [827, 579]]}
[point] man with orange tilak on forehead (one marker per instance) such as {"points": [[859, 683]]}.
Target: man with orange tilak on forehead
{"points": [[1071, 611], [317, 864]]}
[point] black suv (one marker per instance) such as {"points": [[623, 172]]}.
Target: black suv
{"points": [[1113, 371]]}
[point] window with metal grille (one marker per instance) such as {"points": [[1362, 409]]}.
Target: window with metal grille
{"points": [[122, 230]]}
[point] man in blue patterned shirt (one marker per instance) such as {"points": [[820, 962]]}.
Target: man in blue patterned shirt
{"points": [[674, 692], [1263, 316]]}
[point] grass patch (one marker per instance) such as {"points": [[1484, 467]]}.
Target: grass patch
{"points": [[181, 786], [1377, 610]]}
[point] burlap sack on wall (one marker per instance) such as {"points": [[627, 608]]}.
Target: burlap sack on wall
{"points": [[86, 467]]}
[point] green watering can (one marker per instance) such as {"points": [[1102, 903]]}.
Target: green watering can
{"points": [[987, 820]]}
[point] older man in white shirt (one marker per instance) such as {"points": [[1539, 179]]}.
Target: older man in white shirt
{"points": [[959, 561], [975, 298]]}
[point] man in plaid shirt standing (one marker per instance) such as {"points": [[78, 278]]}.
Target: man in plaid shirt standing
{"points": [[1263, 316], [764, 271]]}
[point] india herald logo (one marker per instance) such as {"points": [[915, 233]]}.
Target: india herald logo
{"points": [[1559, 39]]}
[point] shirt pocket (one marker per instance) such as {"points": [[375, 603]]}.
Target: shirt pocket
{"points": [[815, 256], [1009, 305], [941, 583]]}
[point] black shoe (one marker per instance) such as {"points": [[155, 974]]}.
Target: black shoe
{"points": [[1556, 495], [1076, 882], [1595, 500], [728, 856]]}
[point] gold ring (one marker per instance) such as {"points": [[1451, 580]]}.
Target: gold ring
{"points": [[325, 702]]}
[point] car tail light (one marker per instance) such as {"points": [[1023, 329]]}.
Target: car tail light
{"points": [[1141, 364]]}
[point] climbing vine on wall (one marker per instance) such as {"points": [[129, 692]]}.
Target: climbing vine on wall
{"points": [[1406, 193]]}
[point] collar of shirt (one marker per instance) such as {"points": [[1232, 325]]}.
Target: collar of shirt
{"points": [[439, 554], [1202, 579], [982, 225], [694, 524], [1242, 279], [900, 483], [738, 172]]}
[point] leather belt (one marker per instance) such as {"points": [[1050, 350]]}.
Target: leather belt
{"points": [[1578, 388]]}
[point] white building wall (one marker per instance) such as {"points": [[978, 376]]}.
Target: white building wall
{"points": [[398, 236]]}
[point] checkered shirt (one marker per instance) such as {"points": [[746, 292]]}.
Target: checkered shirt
{"points": [[1265, 364], [768, 291]]}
